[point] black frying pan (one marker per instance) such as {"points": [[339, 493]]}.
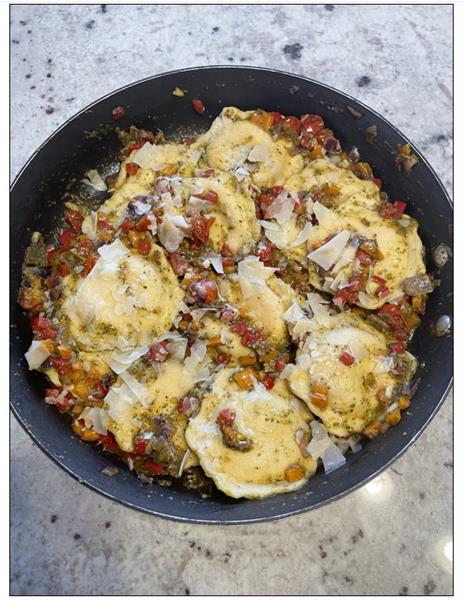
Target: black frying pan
{"points": [[36, 205]]}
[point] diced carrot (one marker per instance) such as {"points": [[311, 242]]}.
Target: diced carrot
{"points": [[247, 361], [372, 430], [320, 389], [294, 473], [320, 401], [404, 402], [394, 417], [245, 378]]}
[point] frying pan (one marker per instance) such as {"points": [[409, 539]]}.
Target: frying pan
{"points": [[36, 205]]}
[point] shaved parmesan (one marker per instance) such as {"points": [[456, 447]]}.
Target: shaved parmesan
{"points": [[36, 355], [294, 313], [95, 180], [281, 208], [322, 446], [185, 458], [136, 388], [89, 226], [384, 364], [252, 273], [326, 218], [170, 232], [113, 252], [328, 254], [120, 361], [94, 418], [317, 305], [258, 153], [303, 235]]}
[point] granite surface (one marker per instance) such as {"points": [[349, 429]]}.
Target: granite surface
{"points": [[391, 537]]}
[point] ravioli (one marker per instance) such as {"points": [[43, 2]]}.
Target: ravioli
{"points": [[270, 421], [233, 141], [398, 242], [356, 394], [136, 398], [126, 301]]}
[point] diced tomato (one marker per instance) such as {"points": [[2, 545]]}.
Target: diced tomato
{"points": [[357, 283], [118, 112], [133, 147], [281, 363], [377, 181], [103, 224], [226, 416], [239, 327], [347, 358], [188, 406], [363, 258], [312, 123], [101, 390], [158, 352], [402, 335], [250, 338], [394, 211], [228, 315], [200, 227], [210, 196], [66, 238], [85, 246], [144, 246], [383, 291], [398, 347], [223, 358], [74, 219], [177, 263], [140, 445], [153, 467], [109, 442], [198, 106], [268, 381], [62, 365], [127, 225], [43, 329], [292, 123], [131, 168], [227, 262], [226, 250], [143, 224], [277, 118], [208, 173], [265, 251], [379, 280], [63, 269], [88, 265], [205, 291]]}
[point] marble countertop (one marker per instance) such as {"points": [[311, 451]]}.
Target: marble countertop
{"points": [[391, 537]]}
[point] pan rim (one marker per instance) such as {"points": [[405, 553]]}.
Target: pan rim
{"points": [[283, 514]]}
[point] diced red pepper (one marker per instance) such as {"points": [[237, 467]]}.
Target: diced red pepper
{"points": [[131, 168], [377, 181], [226, 416], [357, 283], [347, 358], [200, 227], [153, 467], [66, 238], [158, 352], [198, 106], [205, 291], [394, 211], [223, 358], [277, 118], [177, 263], [226, 250], [118, 112], [312, 123], [188, 406], [250, 338], [109, 442], [133, 147], [383, 291], [392, 315], [101, 390], [143, 224], [140, 445], [398, 347], [208, 173], [85, 246], [88, 265], [74, 219], [268, 381], [402, 335]]}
